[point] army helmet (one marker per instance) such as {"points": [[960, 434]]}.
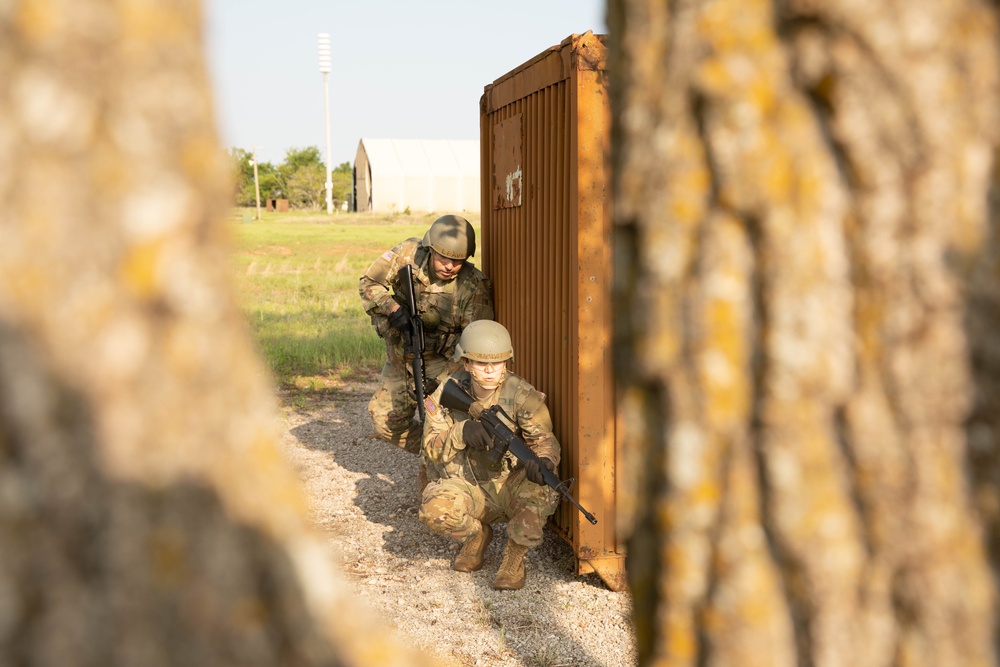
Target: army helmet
{"points": [[451, 236], [484, 340]]}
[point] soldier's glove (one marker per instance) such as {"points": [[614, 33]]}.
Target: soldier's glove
{"points": [[400, 319], [475, 436], [533, 471]]}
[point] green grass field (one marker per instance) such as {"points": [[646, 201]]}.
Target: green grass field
{"points": [[297, 275]]}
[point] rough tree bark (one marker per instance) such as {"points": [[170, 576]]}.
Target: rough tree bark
{"points": [[146, 514], [807, 296]]}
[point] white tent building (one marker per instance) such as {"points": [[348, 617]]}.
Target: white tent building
{"points": [[392, 175]]}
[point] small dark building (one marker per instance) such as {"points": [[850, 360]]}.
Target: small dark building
{"points": [[279, 205]]}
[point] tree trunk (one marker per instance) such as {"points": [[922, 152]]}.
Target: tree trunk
{"points": [[147, 516], [807, 295]]}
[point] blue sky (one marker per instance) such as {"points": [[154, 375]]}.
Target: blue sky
{"points": [[402, 69]]}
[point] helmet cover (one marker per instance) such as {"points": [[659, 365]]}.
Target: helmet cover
{"points": [[451, 236], [485, 340]]}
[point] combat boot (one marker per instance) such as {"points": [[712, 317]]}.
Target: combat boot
{"points": [[470, 558], [510, 576]]}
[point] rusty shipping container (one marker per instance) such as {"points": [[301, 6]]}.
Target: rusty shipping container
{"points": [[546, 227]]}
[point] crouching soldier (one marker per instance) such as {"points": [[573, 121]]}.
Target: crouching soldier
{"points": [[468, 492]]}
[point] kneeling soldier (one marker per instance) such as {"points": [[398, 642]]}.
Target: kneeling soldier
{"points": [[450, 293], [469, 492]]}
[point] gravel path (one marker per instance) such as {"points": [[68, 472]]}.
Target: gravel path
{"points": [[363, 493]]}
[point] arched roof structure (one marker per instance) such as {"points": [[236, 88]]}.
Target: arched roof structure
{"points": [[392, 175]]}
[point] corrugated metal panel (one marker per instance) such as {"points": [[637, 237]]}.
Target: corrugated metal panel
{"points": [[547, 246]]}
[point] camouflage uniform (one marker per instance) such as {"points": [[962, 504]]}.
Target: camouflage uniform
{"points": [[467, 488], [445, 308]]}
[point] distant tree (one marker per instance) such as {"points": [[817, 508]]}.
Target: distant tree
{"points": [[301, 179], [304, 175], [343, 183], [242, 169], [307, 188], [245, 194], [271, 182], [296, 158]]}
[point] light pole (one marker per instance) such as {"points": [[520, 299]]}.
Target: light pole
{"points": [[324, 67], [256, 180]]}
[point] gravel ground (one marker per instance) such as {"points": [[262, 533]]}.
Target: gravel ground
{"points": [[363, 494]]}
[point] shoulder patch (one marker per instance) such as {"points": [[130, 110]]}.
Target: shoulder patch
{"points": [[387, 255], [430, 405]]}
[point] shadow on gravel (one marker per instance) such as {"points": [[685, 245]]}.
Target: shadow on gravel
{"points": [[388, 494]]}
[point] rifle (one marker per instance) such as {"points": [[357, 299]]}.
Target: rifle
{"points": [[414, 337], [454, 397]]}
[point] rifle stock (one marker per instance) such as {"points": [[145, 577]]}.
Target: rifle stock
{"points": [[414, 336], [454, 397]]}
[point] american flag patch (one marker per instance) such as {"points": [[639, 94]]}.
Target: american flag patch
{"points": [[387, 255], [430, 406]]}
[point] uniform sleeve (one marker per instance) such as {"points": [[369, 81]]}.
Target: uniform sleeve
{"points": [[536, 427], [442, 434], [375, 285], [477, 299]]}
